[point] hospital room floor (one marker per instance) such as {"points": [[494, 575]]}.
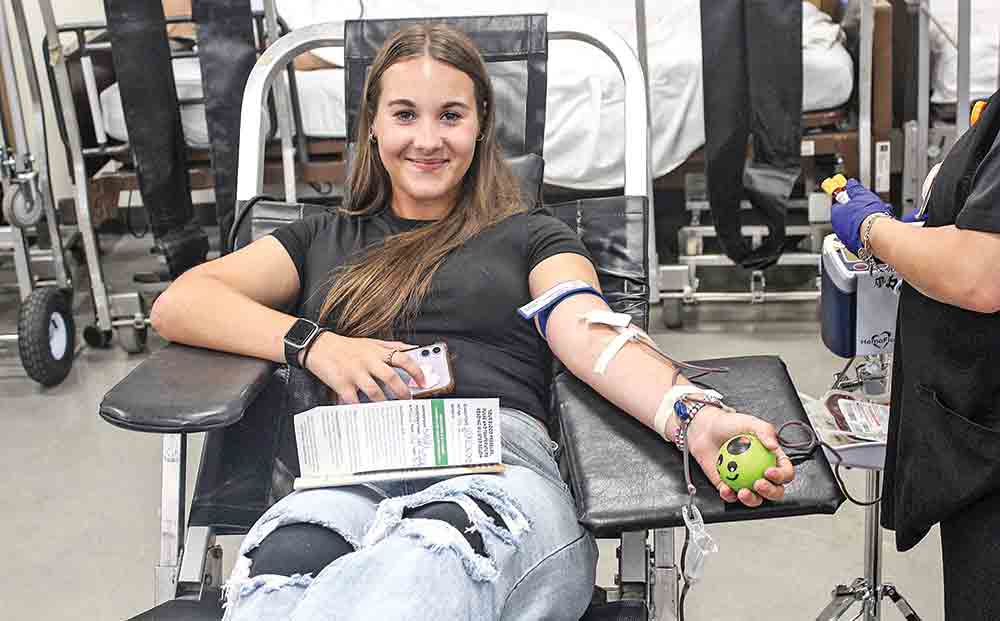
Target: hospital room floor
{"points": [[81, 498]]}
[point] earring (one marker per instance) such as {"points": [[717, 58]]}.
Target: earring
{"points": [[371, 134], [480, 137]]}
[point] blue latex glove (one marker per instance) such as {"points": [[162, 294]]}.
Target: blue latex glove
{"points": [[847, 218]]}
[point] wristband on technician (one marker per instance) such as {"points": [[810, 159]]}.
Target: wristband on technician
{"points": [[542, 306]]}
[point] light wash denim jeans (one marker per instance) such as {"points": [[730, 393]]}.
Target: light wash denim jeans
{"points": [[540, 566]]}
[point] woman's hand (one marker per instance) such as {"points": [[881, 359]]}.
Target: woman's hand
{"points": [[348, 365], [712, 427]]}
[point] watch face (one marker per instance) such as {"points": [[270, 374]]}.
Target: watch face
{"points": [[300, 331]]}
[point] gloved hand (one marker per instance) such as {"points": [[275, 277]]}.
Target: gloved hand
{"points": [[847, 218]]}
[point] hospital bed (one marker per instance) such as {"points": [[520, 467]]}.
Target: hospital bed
{"points": [[320, 160], [584, 107], [847, 137], [625, 479]]}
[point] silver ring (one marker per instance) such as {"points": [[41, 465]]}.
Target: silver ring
{"points": [[388, 360]]}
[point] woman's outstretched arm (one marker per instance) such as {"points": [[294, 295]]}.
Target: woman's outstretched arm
{"points": [[637, 379]]}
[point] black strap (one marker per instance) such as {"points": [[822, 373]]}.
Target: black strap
{"points": [[145, 76], [227, 54], [309, 346], [752, 78]]}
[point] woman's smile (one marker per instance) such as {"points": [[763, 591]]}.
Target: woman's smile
{"points": [[428, 164]]}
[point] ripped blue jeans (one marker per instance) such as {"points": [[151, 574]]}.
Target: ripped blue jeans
{"points": [[539, 565]]}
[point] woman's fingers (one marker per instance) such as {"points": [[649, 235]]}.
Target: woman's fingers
{"points": [[371, 388], [346, 392], [766, 433], [768, 490], [749, 498], [404, 362], [392, 382], [726, 492], [397, 345], [783, 471]]}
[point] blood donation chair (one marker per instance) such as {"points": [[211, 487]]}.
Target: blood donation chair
{"points": [[626, 480]]}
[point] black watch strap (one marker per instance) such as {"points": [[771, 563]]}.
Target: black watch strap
{"points": [[302, 333], [308, 348]]}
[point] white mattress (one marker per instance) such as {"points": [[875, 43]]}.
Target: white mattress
{"points": [[584, 108], [984, 50]]}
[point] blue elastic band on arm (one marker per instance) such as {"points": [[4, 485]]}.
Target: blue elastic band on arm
{"points": [[544, 312]]}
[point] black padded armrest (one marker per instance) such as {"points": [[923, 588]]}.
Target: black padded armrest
{"points": [[625, 477], [181, 389]]}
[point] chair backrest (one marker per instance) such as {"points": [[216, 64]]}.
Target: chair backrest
{"points": [[515, 48], [233, 490]]}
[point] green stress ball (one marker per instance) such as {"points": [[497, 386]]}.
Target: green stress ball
{"points": [[743, 460]]}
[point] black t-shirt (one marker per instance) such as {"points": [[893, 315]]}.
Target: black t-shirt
{"points": [[981, 211], [472, 302]]}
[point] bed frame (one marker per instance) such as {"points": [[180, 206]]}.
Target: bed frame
{"points": [[319, 162], [852, 141]]}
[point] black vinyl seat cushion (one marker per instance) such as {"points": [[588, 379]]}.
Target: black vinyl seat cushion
{"points": [[209, 608]]}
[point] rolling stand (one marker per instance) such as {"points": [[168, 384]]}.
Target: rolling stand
{"points": [[858, 310], [869, 590]]}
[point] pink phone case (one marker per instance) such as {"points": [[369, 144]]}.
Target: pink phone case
{"points": [[435, 362]]}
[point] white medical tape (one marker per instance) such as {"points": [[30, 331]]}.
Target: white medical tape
{"points": [[624, 336], [672, 396], [663, 413]]}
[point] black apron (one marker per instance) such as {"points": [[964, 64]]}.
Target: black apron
{"points": [[943, 450]]}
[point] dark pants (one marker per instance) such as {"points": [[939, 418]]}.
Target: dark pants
{"points": [[970, 549], [752, 70]]}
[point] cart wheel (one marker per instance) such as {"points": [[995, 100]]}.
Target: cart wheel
{"points": [[673, 314], [97, 338], [46, 335], [21, 209], [131, 339]]}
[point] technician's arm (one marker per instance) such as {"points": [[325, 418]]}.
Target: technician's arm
{"points": [[637, 379], [952, 265], [229, 305]]}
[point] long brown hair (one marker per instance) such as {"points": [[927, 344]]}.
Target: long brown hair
{"points": [[380, 293]]}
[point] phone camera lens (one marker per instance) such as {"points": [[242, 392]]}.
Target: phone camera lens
{"points": [[437, 350], [425, 353]]}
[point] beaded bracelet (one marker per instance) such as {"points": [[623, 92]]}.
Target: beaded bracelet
{"points": [[686, 408]]}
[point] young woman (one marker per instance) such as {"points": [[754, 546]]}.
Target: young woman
{"points": [[432, 245]]}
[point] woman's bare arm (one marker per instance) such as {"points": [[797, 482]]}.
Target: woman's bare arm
{"points": [[231, 304], [637, 379]]}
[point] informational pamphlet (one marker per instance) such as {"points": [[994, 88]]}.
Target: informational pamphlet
{"points": [[393, 440]]}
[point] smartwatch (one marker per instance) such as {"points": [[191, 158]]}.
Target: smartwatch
{"points": [[299, 336]]}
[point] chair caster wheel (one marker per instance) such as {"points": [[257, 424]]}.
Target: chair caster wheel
{"points": [[673, 314], [132, 340], [97, 338]]}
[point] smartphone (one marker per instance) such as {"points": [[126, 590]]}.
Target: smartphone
{"points": [[435, 363]]}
